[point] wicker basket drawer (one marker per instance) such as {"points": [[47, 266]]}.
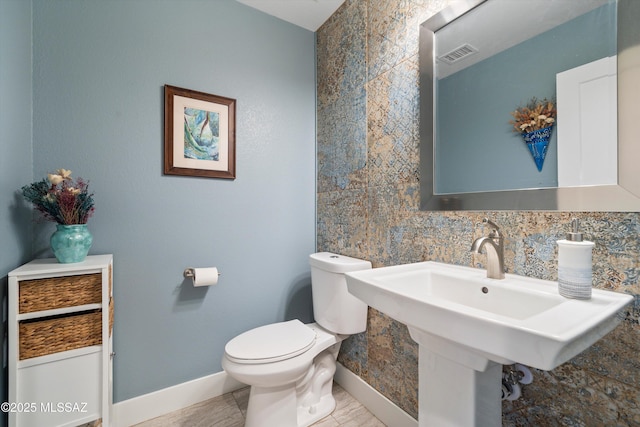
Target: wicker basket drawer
{"points": [[47, 335], [59, 292]]}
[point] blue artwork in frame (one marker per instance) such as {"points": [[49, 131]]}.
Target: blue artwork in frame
{"points": [[199, 135]]}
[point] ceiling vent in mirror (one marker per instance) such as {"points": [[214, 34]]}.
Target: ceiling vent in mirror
{"points": [[458, 54]]}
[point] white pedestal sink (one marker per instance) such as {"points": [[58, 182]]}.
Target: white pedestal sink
{"points": [[467, 326]]}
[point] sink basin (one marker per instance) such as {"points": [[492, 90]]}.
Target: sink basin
{"points": [[517, 319]]}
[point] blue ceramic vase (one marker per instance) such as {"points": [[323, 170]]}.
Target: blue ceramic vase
{"points": [[538, 143], [71, 243]]}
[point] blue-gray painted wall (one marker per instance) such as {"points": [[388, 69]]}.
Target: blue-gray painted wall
{"points": [[15, 153], [98, 73], [479, 100]]}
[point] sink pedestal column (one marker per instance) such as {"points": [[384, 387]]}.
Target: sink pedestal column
{"points": [[457, 387]]}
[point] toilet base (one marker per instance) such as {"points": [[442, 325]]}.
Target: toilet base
{"points": [[300, 404], [272, 406], [278, 408], [308, 416]]}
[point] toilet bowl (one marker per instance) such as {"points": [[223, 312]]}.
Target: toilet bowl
{"points": [[290, 365], [294, 389]]}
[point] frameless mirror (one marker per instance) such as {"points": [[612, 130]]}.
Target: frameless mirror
{"points": [[482, 59]]}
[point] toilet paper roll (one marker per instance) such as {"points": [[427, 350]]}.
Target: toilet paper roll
{"points": [[205, 276]]}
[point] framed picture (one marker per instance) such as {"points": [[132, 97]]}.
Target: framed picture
{"points": [[199, 134]]}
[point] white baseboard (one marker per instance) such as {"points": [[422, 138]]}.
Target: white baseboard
{"points": [[161, 402], [384, 409]]}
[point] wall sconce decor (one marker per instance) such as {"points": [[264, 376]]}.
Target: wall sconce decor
{"points": [[535, 122]]}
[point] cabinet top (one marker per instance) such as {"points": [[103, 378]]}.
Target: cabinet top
{"points": [[52, 266]]}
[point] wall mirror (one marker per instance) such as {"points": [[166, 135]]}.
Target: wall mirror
{"points": [[482, 59]]}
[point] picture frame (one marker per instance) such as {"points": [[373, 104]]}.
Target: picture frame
{"points": [[199, 134]]}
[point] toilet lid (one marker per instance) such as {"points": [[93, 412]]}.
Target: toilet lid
{"points": [[271, 343]]}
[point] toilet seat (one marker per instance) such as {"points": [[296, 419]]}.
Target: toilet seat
{"points": [[271, 343]]}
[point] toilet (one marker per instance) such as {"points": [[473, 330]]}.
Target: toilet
{"points": [[290, 365]]}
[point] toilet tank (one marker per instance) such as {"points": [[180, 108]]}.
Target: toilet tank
{"points": [[334, 308]]}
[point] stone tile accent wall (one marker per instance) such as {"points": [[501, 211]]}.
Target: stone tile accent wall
{"points": [[368, 207]]}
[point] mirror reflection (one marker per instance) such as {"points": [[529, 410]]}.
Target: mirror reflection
{"points": [[488, 65], [579, 55]]}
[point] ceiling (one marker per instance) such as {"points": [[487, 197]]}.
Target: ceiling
{"points": [[309, 14], [499, 24]]}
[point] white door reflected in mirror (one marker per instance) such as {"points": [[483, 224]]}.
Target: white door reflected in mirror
{"points": [[588, 124]]}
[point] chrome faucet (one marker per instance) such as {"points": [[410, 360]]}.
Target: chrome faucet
{"points": [[494, 249]]}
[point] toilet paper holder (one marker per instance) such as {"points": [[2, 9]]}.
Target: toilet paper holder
{"points": [[189, 272]]}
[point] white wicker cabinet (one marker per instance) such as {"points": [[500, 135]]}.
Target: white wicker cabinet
{"points": [[60, 364]]}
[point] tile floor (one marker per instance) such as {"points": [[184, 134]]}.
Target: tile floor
{"points": [[229, 409]]}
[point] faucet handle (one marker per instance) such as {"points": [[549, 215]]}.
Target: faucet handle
{"points": [[495, 230]]}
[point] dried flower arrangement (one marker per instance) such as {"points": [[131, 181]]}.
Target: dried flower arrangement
{"points": [[534, 116], [60, 199]]}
